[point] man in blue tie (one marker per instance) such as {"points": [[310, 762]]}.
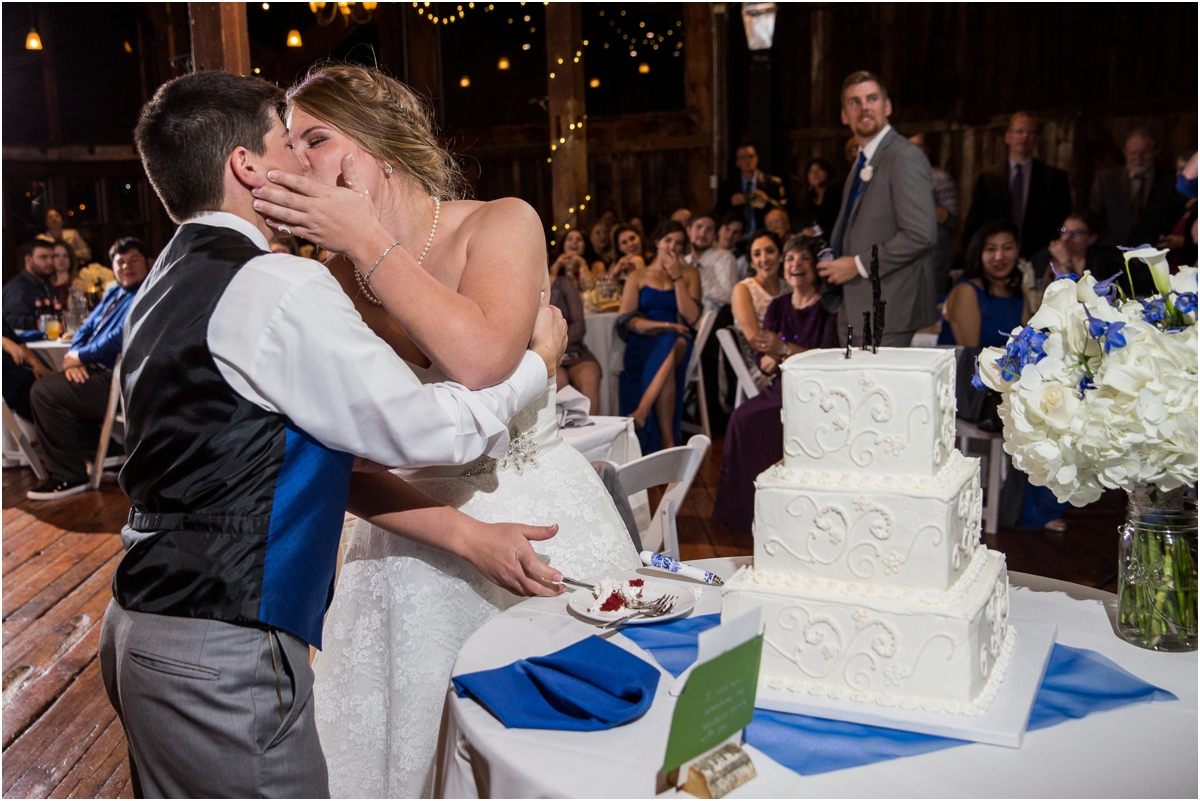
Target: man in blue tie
{"points": [[69, 406], [888, 203], [752, 191]]}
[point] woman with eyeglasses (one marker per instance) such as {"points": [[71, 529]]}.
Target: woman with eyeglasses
{"points": [[1077, 250]]}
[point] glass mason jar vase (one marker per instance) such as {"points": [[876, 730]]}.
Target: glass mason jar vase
{"points": [[1156, 593]]}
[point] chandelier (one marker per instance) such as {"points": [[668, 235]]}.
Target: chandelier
{"points": [[358, 13]]}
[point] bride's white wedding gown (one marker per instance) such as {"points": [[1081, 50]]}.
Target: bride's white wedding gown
{"points": [[402, 611]]}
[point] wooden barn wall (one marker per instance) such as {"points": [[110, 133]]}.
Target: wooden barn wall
{"points": [[1091, 72]]}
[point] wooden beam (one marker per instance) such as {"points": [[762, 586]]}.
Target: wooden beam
{"points": [[698, 97], [820, 108], [568, 137], [220, 40], [422, 58], [49, 77]]}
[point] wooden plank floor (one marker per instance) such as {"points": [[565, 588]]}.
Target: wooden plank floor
{"points": [[61, 737]]}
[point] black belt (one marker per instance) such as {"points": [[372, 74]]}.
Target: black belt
{"points": [[190, 521]]}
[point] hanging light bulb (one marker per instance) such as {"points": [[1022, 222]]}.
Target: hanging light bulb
{"points": [[32, 40], [293, 38], [502, 64], [464, 81], [594, 83], [643, 68]]}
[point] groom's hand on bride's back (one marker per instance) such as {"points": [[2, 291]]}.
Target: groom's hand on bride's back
{"points": [[549, 337]]}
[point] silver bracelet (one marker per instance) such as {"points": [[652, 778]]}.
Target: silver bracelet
{"points": [[367, 276]]}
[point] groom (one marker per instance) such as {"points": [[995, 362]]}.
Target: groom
{"points": [[251, 384]]}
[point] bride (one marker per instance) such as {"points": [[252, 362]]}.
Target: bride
{"points": [[454, 287]]}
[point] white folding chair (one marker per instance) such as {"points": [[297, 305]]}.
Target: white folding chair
{"points": [[114, 424], [746, 388], [695, 374], [21, 432], [994, 467], [676, 468]]}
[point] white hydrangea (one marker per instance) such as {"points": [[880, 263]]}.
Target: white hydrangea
{"points": [[1083, 412]]}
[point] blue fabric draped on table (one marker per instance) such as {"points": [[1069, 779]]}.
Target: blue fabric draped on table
{"points": [[588, 686], [1078, 682], [644, 356]]}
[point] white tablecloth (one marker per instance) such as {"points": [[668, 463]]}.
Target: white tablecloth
{"points": [[1139, 750], [611, 439], [602, 340], [52, 351]]}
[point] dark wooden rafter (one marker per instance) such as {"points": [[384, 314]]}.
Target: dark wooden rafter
{"points": [[220, 40]]}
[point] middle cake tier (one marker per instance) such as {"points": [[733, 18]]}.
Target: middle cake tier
{"points": [[880, 535]]}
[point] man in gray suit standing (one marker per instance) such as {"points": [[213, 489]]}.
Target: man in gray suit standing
{"points": [[887, 202]]}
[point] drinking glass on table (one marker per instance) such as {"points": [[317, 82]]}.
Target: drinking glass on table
{"points": [[53, 327]]}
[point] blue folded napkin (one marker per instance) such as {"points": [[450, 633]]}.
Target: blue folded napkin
{"points": [[673, 644], [588, 686], [1077, 683]]}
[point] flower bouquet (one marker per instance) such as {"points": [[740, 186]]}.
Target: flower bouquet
{"points": [[1099, 391]]}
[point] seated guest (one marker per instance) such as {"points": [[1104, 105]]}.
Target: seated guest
{"points": [[21, 368], [579, 367], [729, 237], [793, 323], [660, 304], [778, 222], [819, 201], [1077, 250], [572, 261], [67, 406], [55, 230], [752, 296], [751, 191], [631, 253], [682, 216], [717, 266], [66, 273], [980, 311], [601, 244], [31, 287], [987, 303]]}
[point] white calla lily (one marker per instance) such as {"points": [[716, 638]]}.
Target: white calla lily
{"points": [[1156, 260]]}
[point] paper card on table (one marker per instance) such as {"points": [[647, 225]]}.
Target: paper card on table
{"points": [[718, 698]]}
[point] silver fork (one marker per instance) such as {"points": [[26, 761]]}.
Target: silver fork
{"points": [[663, 606]]}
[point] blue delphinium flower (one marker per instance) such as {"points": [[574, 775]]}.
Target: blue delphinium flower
{"points": [[1058, 276], [1107, 334], [1108, 289], [1153, 309], [1022, 349], [976, 379], [1186, 302], [1085, 384]]}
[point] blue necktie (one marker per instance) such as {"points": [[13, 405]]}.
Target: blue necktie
{"points": [[856, 188]]}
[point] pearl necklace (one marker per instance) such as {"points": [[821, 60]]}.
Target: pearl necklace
{"points": [[362, 286]]}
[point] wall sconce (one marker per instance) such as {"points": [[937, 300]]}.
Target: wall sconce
{"points": [[293, 39]]}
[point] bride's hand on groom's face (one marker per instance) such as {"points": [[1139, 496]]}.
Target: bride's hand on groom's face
{"points": [[339, 219], [502, 553]]}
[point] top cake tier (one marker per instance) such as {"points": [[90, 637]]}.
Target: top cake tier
{"points": [[889, 413]]}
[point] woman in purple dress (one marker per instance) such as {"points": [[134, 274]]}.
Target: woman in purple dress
{"points": [[794, 323]]}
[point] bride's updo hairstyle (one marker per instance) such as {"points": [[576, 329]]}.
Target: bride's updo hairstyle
{"points": [[385, 118]]}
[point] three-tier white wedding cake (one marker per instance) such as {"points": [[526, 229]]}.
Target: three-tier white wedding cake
{"points": [[868, 567]]}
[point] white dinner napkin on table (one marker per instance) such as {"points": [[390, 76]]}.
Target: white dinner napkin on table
{"points": [[572, 408]]}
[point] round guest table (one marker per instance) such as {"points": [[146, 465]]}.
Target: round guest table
{"points": [[52, 351], [1140, 750], [608, 348]]}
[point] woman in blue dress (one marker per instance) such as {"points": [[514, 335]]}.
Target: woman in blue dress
{"points": [[660, 303], [980, 311]]}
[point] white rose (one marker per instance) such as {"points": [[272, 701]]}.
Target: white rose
{"points": [[989, 371], [1055, 403], [1057, 303], [1184, 281]]}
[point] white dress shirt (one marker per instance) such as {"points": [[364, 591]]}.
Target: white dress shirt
{"points": [[287, 338], [718, 273], [868, 152]]}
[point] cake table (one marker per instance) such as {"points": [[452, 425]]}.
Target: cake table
{"points": [[1139, 750]]}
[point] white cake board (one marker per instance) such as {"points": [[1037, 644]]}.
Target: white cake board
{"points": [[1002, 724]]}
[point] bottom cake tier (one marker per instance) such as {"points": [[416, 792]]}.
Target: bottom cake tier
{"points": [[947, 658]]}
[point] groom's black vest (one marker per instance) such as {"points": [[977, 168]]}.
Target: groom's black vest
{"points": [[246, 510]]}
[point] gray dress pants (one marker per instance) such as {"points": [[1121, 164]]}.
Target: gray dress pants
{"points": [[212, 709]]}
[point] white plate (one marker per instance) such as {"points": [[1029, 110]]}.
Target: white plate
{"points": [[581, 599]]}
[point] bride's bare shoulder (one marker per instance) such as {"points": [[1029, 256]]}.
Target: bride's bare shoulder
{"points": [[506, 216]]}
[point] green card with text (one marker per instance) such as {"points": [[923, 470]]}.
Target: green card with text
{"points": [[716, 702]]}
